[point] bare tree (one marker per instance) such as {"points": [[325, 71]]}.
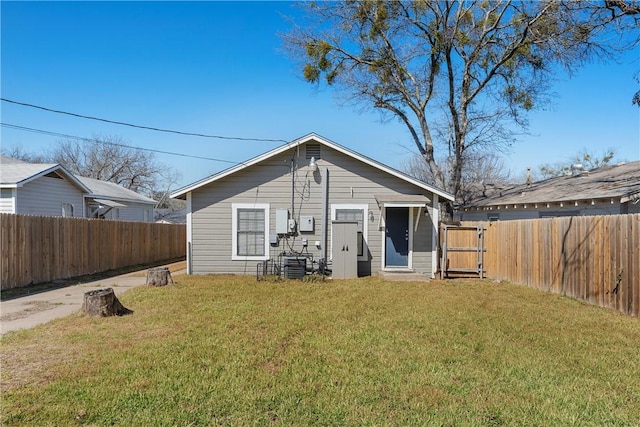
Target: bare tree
{"points": [[457, 74], [482, 171], [108, 158], [18, 153]]}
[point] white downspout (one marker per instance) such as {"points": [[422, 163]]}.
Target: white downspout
{"points": [[434, 235], [189, 235]]}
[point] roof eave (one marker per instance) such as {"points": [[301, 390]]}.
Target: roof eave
{"points": [[120, 199], [180, 193], [55, 168]]}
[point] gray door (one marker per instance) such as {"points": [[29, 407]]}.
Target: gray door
{"points": [[344, 249], [397, 237]]}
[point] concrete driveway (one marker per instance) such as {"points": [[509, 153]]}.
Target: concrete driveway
{"points": [[31, 310]]}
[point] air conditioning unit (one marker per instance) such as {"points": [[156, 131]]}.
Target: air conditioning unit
{"points": [[294, 267]]}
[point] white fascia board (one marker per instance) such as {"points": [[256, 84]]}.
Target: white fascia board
{"points": [[300, 141], [233, 169], [403, 205], [380, 166], [119, 199]]}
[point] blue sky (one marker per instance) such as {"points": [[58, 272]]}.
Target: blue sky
{"points": [[218, 68]]}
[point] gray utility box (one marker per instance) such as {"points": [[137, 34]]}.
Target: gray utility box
{"points": [[344, 249], [282, 221], [306, 223]]}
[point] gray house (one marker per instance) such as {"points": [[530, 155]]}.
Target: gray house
{"points": [[51, 190], [293, 199], [608, 190], [40, 189]]}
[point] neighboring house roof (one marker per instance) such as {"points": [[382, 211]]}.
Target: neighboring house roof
{"points": [[14, 175], [103, 191], [181, 193], [621, 181], [6, 160]]}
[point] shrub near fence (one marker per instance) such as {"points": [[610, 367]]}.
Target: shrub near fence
{"points": [[595, 259], [38, 249]]}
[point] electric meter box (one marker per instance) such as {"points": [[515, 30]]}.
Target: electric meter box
{"points": [[306, 223], [282, 221]]}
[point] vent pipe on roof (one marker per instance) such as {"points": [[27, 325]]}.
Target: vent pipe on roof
{"points": [[576, 169]]}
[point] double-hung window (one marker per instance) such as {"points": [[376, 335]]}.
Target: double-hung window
{"points": [[250, 231], [355, 213]]}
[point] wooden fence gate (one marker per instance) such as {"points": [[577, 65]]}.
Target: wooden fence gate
{"points": [[462, 250]]}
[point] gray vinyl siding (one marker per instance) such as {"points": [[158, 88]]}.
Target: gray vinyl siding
{"points": [[270, 182], [7, 201], [134, 212], [633, 208], [131, 212], [45, 196]]}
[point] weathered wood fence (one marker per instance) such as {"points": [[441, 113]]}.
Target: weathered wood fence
{"points": [[38, 249], [595, 259]]}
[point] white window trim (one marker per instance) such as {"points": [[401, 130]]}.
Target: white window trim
{"points": [[365, 226], [73, 209], [234, 231]]}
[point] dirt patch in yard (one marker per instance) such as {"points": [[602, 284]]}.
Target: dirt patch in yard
{"points": [[175, 265], [32, 307]]}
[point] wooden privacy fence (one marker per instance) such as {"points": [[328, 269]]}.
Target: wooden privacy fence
{"points": [[38, 249], [595, 259]]}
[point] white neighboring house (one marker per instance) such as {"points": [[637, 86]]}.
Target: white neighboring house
{"points": [[40, 189], [51, 190]]}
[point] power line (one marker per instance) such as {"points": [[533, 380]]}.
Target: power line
{"points": [[202, 135], [62, 135]]}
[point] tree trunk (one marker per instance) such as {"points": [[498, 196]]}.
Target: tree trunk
{"points": [[159, 277], [103, 303]]}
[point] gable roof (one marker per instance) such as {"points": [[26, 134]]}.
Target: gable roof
{"points": [[180, 193], [607, 182], [15, 175], [111, 191]]}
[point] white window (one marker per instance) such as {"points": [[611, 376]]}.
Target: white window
{"points": [[355, 213], [67, 210], [250, 230]]}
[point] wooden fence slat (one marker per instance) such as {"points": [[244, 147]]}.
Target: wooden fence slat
{"points": [[40, 249], [581, 257]]}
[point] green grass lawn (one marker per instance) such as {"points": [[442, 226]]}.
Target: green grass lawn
{"points": [[233, 351]]}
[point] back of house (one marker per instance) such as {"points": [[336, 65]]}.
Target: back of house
{"points": [[289, 202]]}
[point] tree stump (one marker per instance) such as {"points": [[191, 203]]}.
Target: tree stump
{"points": [[160, 276], [103, 303]]}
